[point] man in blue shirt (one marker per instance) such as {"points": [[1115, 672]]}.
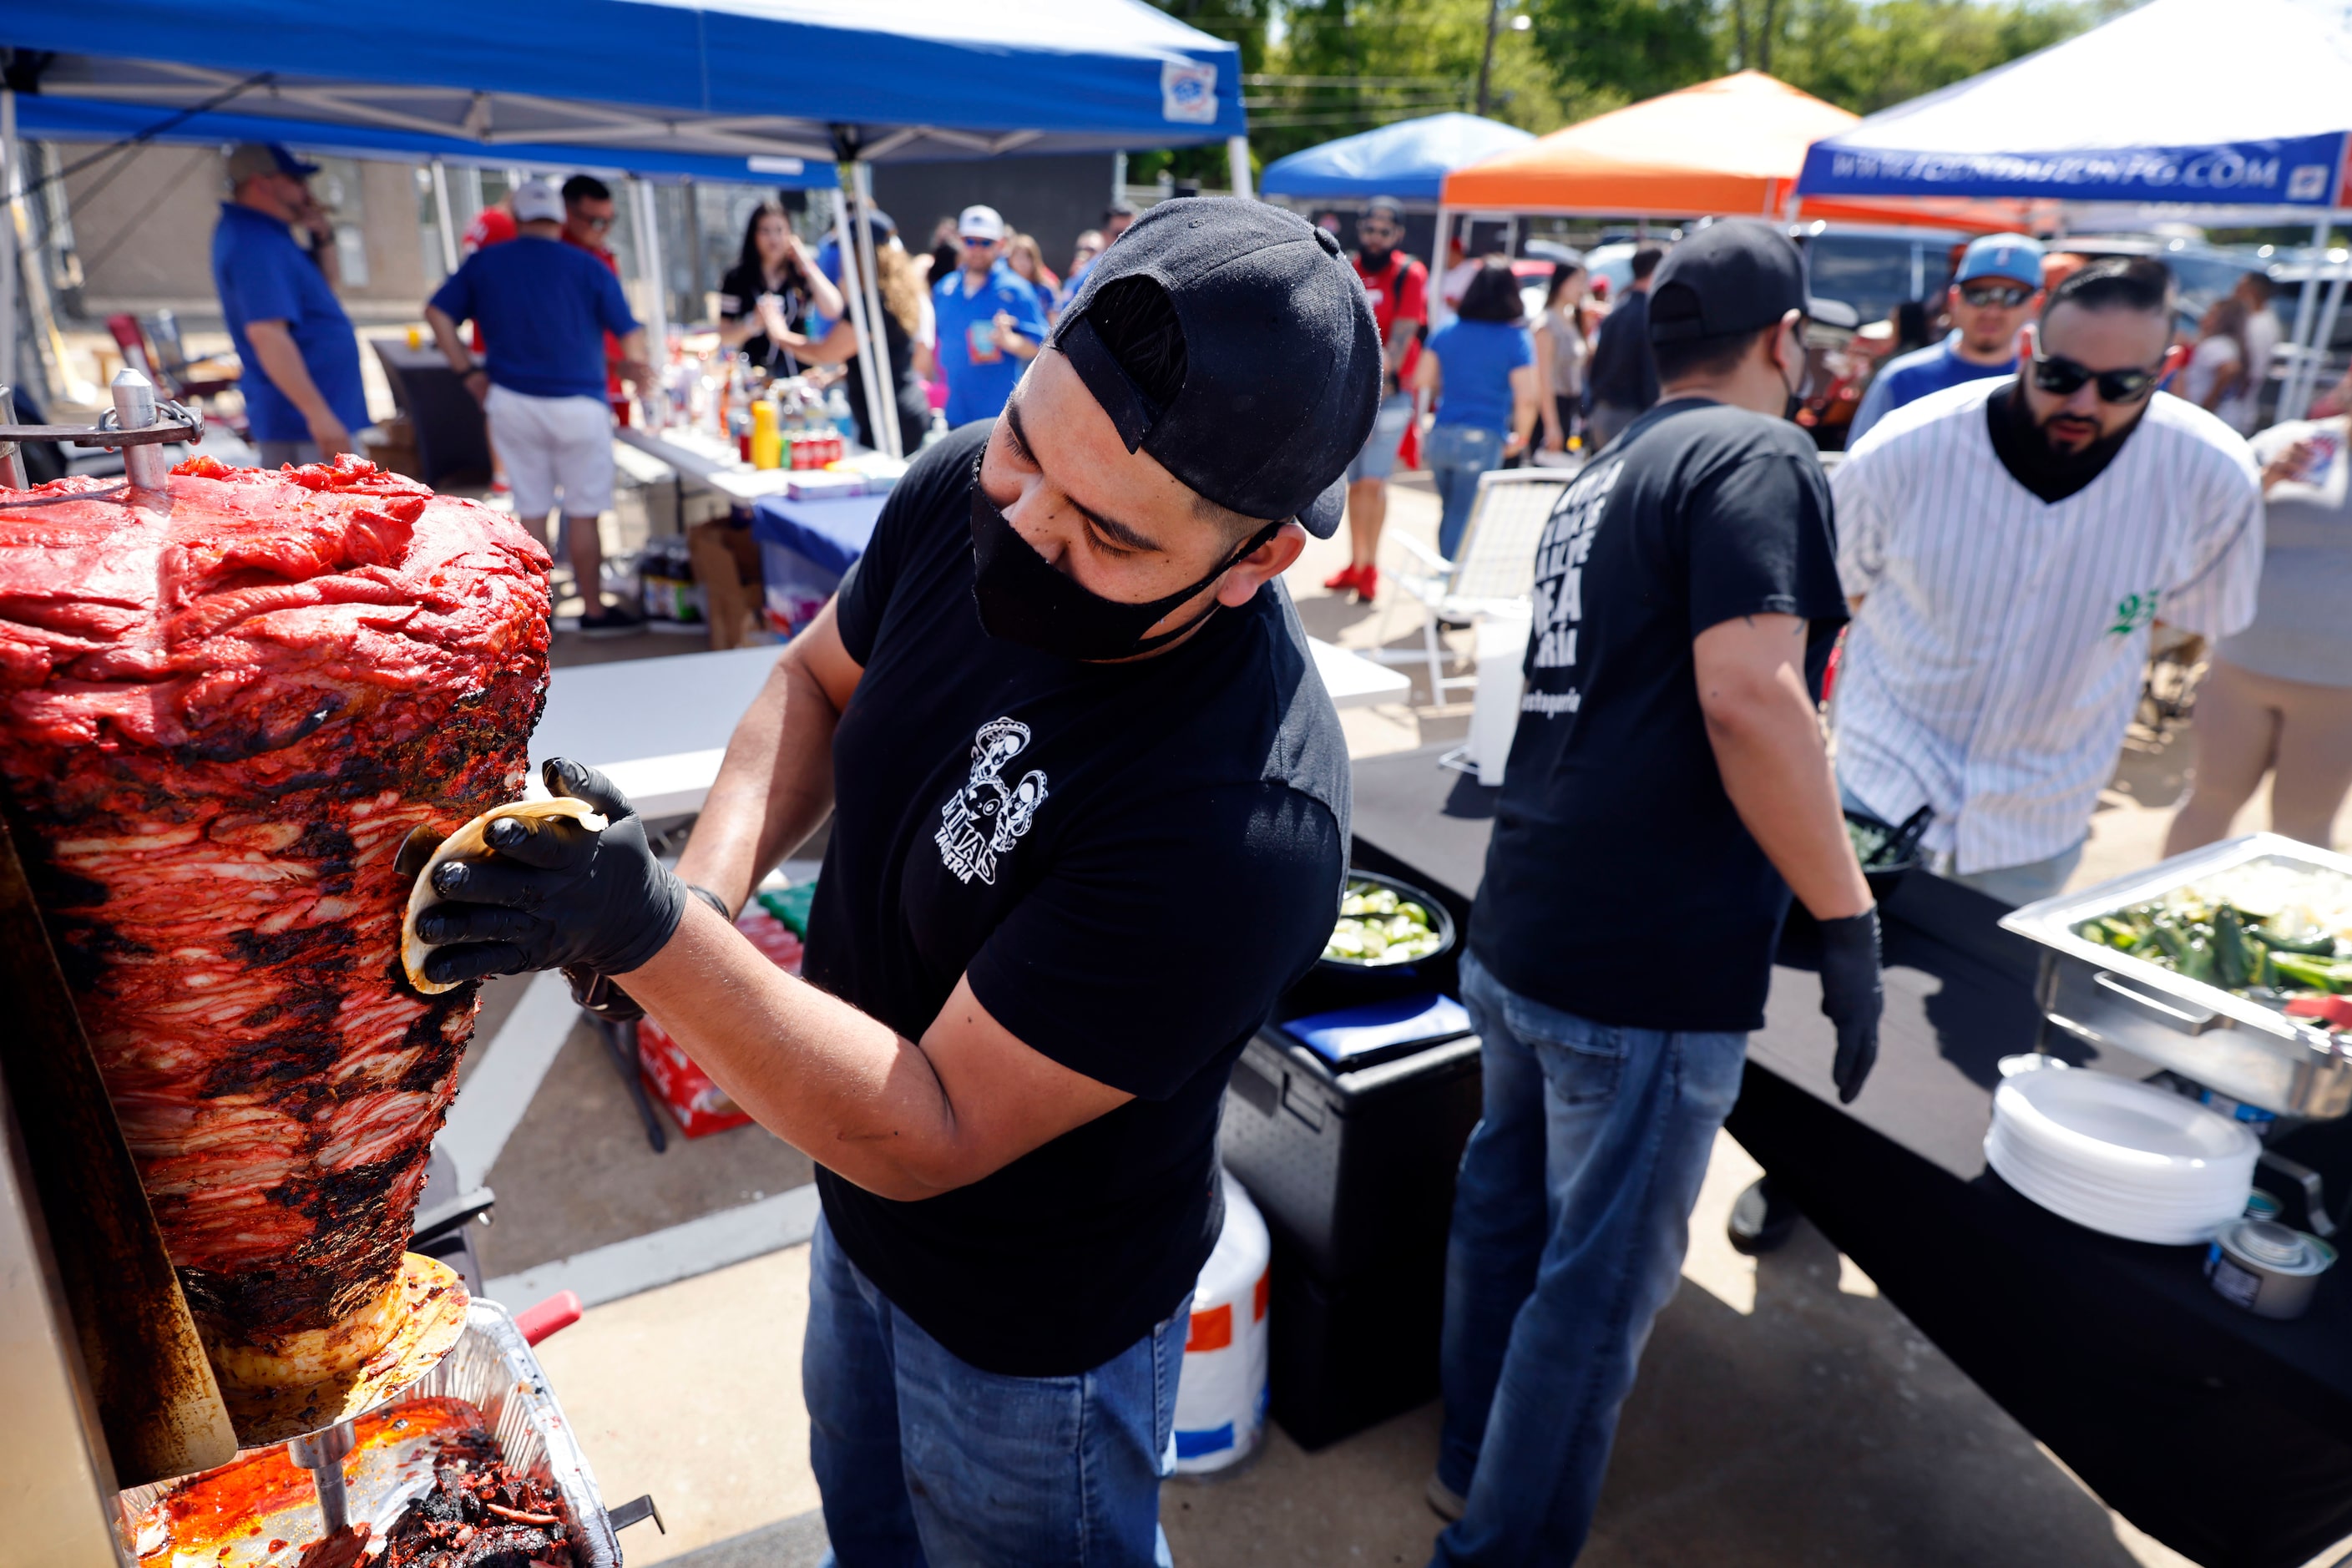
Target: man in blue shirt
{"points": [[1996, 292], [544, 308], [303, 397], [991, 321]]}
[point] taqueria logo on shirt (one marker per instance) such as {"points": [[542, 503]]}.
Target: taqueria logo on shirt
{"points": [[987, 816], [1560, 567]]}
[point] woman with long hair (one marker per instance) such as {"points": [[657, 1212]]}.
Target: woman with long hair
{"points": [[766, 300], [1562, 350], [2216, 379], [907, 334], [1023, 255], [1481, 369]]}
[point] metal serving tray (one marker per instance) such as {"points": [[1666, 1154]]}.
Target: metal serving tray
{"points": [[492, 1369], [2243, 1049]]}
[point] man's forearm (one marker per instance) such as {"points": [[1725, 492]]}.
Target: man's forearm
{"points": [[1021, 346], [1767, 747], [445, 338], [841, 1087], [281, 362], [773, 789]]}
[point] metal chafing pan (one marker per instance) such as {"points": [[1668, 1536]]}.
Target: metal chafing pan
{"points": [[491, 1368], [2241, 1048]]}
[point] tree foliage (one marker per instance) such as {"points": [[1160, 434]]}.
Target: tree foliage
{"points": [[1318, 69]]}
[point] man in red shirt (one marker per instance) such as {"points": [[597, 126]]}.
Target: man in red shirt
{"points": [[587, 219], [1399, 288]]}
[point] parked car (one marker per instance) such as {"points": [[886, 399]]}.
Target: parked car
{"points": [[1876, 267]]}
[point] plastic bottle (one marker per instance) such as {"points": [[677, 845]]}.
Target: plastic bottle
{"points": [[767, 441]]}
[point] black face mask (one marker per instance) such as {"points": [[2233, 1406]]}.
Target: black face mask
{"points": [[1023, 599]]}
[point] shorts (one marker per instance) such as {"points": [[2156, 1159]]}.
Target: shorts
{"points": [[553, 448], [1379, 459]]}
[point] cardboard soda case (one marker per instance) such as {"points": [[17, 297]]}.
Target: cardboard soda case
{"points": [[699, 1106]]}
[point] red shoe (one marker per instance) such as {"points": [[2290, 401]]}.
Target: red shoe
{"points": [[1368, 583], [1343, 579]]}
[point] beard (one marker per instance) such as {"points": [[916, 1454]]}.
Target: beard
{"points": [[1376, 257]]}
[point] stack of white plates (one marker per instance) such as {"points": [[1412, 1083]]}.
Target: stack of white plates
{"points": [[2120, 1157]]}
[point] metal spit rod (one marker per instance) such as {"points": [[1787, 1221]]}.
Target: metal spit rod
{"points": [[321, 1453], [146, 467]]}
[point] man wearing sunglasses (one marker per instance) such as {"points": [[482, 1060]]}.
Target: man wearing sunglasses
{"points": [[588, 224], [1398, 287], [1994, 292], [2007, 545], [991, 320]]}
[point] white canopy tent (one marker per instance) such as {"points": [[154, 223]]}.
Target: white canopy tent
{"points": [[2258, 132]]}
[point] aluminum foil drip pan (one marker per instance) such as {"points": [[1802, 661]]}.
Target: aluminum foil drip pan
{"points": [[236, 1515]]}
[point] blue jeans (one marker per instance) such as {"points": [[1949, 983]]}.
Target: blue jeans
{"points": [[924, 1460], [1569, 1224], [1456, 456]]}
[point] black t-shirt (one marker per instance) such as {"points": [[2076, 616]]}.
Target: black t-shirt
{"points": [[1621, 884], [739, 297], [1624, 374], [1131, 862]]}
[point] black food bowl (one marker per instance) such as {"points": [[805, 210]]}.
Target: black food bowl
{"points": [[1896, 852], [1441, 921]]}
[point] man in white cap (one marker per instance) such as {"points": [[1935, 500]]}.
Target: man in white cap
{"points": [[303, 395], [1995, 292], [544, 306], [991, 321]]}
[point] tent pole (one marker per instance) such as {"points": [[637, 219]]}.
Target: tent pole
{"points": [[2320, 338], [649, 257], [441, 216], [886, 386], [853, 296], [1437, 300], [9, 155], [2301, 340], [1237, 160]]}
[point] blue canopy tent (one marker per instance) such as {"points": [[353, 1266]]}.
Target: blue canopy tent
{"points": [[1408, 160], [845, 81], [91, 119], [2257, 132]]}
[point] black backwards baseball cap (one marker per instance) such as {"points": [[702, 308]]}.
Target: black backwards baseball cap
{"points": [[1282, 375], [1733, 277]]}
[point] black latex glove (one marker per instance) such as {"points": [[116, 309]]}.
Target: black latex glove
{"points": [[554, 895], [1852, 996]]}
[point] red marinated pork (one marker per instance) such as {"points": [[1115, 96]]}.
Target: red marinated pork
{"points": [[216, 725]]}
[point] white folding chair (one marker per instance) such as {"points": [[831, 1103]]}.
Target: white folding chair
{"points": [[1493, 572]]}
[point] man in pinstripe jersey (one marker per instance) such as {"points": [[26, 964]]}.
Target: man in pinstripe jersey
{"points": [[2006, 546]]}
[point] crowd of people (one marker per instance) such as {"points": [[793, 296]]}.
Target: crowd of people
{"points": [[2025, 496]]}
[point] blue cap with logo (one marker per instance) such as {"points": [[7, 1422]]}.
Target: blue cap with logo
{"points": [[2015, 257]]}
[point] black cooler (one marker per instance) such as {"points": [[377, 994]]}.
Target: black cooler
{"points": [[1353, 1167]]}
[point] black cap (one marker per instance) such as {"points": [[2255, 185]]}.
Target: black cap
{"points": [[1282, 373], [1735, 276]]}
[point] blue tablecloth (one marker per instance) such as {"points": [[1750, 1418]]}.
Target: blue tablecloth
{"points": [[831, 534]]}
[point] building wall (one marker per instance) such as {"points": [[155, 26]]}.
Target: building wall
{"points": [[142, 225]]}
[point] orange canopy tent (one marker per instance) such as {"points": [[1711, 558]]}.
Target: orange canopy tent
{"points": [[1731, 146]]}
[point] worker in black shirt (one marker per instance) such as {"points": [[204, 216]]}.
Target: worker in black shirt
{"points": [[1623, 378], [1666, 789], [766, 299], [1090, 817]]}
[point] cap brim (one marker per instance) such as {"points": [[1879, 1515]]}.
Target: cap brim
{"points": [[1833, 313], [1320, 516]]}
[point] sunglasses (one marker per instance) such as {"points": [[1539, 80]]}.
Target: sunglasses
{"points": [[596, 223], [2008, 296], [972, 244], [2061, 377]]}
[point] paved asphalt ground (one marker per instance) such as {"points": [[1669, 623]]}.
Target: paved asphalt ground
{"points": [[1785, 1414]]}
